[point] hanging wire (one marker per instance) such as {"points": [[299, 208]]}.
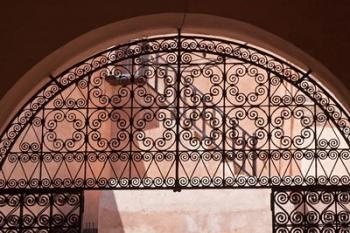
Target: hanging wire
{"points": [[184, 16]]}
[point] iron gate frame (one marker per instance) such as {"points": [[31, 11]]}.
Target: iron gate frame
{"points": [[179, 51], [49, 217], [315, 209]]}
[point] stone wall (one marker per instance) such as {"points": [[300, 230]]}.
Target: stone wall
{"points": [[190, 211]]}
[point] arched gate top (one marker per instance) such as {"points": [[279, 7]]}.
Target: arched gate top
{"points": [[178, 111]]}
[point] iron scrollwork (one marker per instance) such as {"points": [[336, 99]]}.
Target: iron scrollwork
{"points": [[178, 111], [306, 210], [46, 212]]}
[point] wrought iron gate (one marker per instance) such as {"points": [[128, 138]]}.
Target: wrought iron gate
{"points": [[177, 112], [44, 211], [311, 209]]}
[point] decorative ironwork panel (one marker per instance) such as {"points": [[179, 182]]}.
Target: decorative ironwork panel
{"points": [[28, 211], [178, 111], [323, 209]]}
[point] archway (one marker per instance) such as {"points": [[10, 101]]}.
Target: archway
{"points": [[176, 112]]}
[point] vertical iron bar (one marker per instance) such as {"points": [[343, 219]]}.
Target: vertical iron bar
{"points": [[304, 195], [177, 187], [337, 226], [21, 211], [244, 151], [87, 128], [316, 156], [51, 203], [21, 206], [41, 158], [156, 75], [224, 124], [234, 149], [204, 126], [165, 83], [81, 211], [269, 136], [131, 117], [254, 155]]}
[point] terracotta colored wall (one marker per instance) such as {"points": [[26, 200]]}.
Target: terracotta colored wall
{"points": [[205, 211]]}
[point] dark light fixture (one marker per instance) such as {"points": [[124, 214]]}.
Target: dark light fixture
{"points": [[124, 80], [114, 80]]}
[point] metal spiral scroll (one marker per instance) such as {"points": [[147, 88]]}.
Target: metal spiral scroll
{"points": [[176, 112], [318, 210], [44, 212]]}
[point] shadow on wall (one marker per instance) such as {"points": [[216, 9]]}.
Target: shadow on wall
{"points": [[190, 211]]}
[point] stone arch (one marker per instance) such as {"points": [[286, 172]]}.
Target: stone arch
{"points": [[294, 77], [120, 32]]}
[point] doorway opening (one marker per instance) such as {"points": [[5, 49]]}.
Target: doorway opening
{"points": [[176, 112]]}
